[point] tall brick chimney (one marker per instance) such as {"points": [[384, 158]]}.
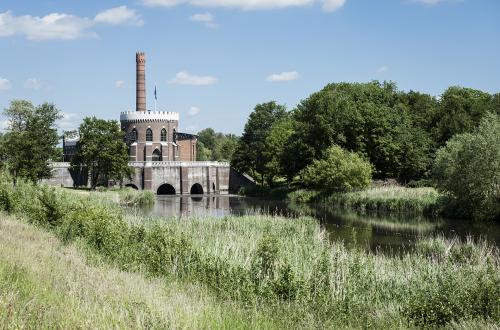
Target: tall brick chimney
{"points": [[140, 82]]}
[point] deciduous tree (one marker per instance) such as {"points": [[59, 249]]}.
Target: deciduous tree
{"points": [[102, 151], [250, 154], [467, 168], [31, 139]]}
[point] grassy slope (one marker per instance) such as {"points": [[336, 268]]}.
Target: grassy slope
{"points": [[44, 284]]}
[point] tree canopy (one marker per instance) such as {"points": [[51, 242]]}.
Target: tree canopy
{"points": [[31, 140], [215, 146], [397, 132], [101, 151], [250, 154]]}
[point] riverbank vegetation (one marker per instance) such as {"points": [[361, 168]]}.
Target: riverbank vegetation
{"points": [[283, 269], [389, 199]]}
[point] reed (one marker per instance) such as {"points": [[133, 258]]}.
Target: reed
{"points": [[389, 199]]}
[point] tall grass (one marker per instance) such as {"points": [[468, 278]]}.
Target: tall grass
{"points": [[45, 285], [284, 265], [132, 197], [391, 199]]}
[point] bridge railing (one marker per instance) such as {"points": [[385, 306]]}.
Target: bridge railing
{"points": [[161, 164], [179, 164]]}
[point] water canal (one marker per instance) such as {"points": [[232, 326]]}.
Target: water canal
{"points": [[374, 233]]}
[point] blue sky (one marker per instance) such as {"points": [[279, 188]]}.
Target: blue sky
{"points": [[214, 60]]}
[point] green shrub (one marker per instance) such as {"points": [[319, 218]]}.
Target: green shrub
{"points": [[5, 200], [340, 170], [467, 169]]}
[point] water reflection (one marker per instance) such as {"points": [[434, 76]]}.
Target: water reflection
{"points": [[375, 233]]}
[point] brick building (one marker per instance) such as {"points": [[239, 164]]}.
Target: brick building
{"points": [[153, 135]]}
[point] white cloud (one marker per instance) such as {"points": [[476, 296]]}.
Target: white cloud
{"points": [[5, 84], [32, 83], [51, 26], [333, 5], [185, 78], [193, 111], [56, 26], [283, 76], [119, 15], [206, 18], [161, 3], [119, 83], [328, 5], [69, 121], [383, 69]]}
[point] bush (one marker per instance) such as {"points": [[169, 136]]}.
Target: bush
{"points": [[5, 200], [467, 169], [340, 170]]}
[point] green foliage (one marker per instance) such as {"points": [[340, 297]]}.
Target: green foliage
{"points": [[340, 170], [215, 146], [371, 119], [460, 111], [303, 196], [31, 140], [468, 170], [101, 151], [274, 148], [250, 155]]}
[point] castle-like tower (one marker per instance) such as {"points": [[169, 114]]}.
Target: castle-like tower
{"points": [[153, 135]]}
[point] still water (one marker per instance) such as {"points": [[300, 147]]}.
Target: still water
{"points": [[381, 233]]}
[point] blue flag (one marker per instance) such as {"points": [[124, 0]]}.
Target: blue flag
{"points": [[155, 93]]}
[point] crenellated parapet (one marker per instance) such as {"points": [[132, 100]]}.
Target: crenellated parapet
{"points": [[148, 116]]}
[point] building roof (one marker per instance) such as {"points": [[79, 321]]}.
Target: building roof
{"points": [[185, 136]]}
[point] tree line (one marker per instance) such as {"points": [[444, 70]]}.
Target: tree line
{"points": [[342, 136], [31, 140]]}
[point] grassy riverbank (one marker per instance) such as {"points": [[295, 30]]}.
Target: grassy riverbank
{"points": [[282, 272]]}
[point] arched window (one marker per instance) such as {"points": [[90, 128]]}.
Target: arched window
{"points": [[175, 136], [149, 135], [133, 136], [163, 136], [156, 155]]}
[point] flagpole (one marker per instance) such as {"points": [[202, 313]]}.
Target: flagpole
{"points": [[155, 97]]}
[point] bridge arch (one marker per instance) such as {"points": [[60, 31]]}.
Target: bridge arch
{"points": [[196, 189], [131, 185], [166, 189]]}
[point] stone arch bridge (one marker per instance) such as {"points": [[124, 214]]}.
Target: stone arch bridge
{"points": [[161, 177]]}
